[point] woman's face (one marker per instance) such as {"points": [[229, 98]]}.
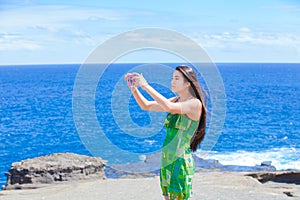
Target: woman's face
{"points": [[178, 83]]}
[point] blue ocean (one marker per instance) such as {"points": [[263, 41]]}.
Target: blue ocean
{"points": [[262, 120]]}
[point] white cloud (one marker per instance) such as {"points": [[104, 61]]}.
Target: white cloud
{"points": [[58, 28], [247, 36], [52, 17], [34, 27], [245, 44], [15, 42]]}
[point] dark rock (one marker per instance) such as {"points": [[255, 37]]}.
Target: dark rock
{"points": [[206, 163], [150, 166], [215, 165], [289, 194], [292, 177], [33, 173], [266, 163]]}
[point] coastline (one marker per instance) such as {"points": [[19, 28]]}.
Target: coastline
{"points": [[82, 177], [206, 185]]}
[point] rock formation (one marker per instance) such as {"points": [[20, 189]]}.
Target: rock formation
{"points": [[292, 177], [151, 164], [61, 167], [36, 172]]}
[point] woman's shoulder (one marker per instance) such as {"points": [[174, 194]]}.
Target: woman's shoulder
{"points": [[174, 99]]}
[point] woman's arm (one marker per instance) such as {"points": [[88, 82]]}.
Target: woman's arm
{"points": [[140, 99], [144, 103], [190, 107]]}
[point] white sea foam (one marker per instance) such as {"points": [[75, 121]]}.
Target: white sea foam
{"points": [[281, 158]]}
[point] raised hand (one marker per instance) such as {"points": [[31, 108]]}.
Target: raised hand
{"points": [[131, 79], [141, 81]]}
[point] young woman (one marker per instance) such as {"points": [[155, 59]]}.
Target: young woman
{"points": [[185, 128]]}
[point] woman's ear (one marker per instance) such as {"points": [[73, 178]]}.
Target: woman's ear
{"points": [[188, 84]]}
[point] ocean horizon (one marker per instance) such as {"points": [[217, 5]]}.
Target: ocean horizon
{"points": [[262, 121]]}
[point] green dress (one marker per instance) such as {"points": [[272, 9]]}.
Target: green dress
{"points": [[177, 163]]}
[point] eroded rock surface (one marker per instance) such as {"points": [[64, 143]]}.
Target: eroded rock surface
{"points": [[33, 173], [292, 177]]}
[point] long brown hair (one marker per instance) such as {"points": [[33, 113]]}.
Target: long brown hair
{"points": [[195, 89]]}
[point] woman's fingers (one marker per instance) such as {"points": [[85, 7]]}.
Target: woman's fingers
{"points": [[126, 76], [142, 80], [135, 79]]}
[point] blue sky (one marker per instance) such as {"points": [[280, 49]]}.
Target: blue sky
{"points": [[59, 31]]}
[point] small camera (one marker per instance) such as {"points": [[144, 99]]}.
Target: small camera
{"points": [[131, 80]]}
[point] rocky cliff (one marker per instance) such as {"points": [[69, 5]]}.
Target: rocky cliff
{"points": [[39, 171]]}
